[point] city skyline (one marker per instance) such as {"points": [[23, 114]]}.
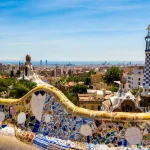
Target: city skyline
{"points": [[74, 30]]}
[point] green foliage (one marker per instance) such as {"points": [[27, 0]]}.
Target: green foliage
{"points": [[113, 74], [84, 78], [134, 91], [22, 87], [17, 88], [5, 82], [81, 89], [4, 74], [2, 89], [28, 84], [72, 97], [73, 93], [75, 79], [87, 81], [113, 88]]}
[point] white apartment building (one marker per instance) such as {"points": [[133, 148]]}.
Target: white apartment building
{"points": [[135, 78]]}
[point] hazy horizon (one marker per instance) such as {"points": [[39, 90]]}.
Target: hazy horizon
{"points": [[13, 60], [37, 62]]}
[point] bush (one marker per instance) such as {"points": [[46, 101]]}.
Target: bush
{"points": [[134, 91], [72, 97], [81, 89], [18, 88], [113, 88]]}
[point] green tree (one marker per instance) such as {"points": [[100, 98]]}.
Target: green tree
{"points": [[134, 91], [19, 90], [87, 81], [81, 89], [113, 88], [88, 74], [72, 97], [16, 88], [113, 74]]}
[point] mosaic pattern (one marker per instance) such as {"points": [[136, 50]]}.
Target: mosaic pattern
{"points": [[55, 143], [12, 113], [146, 79], [62, 125], [7, 129], [67, 127], [57, 128], [24, 136]]}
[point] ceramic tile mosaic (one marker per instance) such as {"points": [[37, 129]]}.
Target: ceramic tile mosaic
{"points": [[7, 129], [24, 136], [55, 128]]}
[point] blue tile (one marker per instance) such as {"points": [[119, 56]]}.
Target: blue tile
{"points": [[88, 139], [35, 130], [42, 92], [36, 125], [119, 143], [125, 143], [32, 118], [37, 93], [37, 122], [4, 125]]}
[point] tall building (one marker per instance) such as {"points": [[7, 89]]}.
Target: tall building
{"points": [[41, 62], [145, 94], [46, 62]]}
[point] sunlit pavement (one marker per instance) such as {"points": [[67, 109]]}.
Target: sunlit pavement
{"points": [[11, 143]]}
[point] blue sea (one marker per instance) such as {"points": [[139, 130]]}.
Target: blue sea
{"points": [[37, 63]]}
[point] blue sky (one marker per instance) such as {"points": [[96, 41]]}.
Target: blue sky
{"points": [[73, 30]]}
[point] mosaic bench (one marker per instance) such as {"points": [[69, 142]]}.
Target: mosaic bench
{"points": [[47, 119]]}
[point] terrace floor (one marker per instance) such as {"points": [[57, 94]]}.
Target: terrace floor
{"points": [[11, 143]]}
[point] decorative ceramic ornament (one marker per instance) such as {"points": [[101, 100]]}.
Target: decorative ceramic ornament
{"points": [[21, 117], [133, 135], [47, 118], [86, 130], [2, 116]]}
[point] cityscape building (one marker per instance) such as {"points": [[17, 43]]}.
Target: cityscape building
{"points": [[93, 99], [135, 78], [123, 100], [41, 62]]}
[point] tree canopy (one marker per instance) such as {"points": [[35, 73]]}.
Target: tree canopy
{"points": [[73, 93], [16, 89], [112, 74]]}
